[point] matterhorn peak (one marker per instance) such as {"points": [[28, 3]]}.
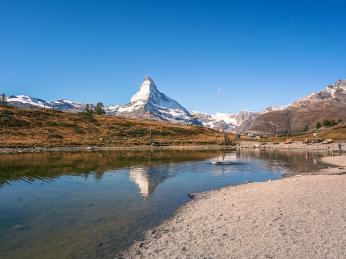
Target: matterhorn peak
{"points": [[148, 78], [147, 89], [149, 102]]}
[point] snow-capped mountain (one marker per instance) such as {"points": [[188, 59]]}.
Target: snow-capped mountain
{"points": [[229, 122], [219, 121], [149, 102], [24, 101], [67, 105]]}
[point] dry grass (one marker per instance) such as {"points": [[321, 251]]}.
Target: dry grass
{"points": [[334, 134], [42, 127]]}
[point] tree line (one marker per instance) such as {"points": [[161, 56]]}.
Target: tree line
{"points": [[99, 109], [3, 100]]}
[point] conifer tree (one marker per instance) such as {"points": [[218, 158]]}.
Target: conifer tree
{"points": [[99, 109], [3, 100]]}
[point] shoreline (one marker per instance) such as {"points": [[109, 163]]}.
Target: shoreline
{"points": [[11, 150], [332, 147], [295, 145], [302, 216]]}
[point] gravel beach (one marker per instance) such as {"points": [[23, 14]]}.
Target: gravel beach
{"points": [[295, 217]]}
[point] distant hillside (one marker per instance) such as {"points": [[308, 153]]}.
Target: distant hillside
{"points": [[335, 133], [45, 127], [328, 104]]}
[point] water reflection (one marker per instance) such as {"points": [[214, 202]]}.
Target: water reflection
{"points": [[93, 205], [292, 161], [140, 176], [46, 166]]}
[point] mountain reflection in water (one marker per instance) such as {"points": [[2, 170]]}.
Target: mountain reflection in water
{"points": [[140, 176], [46, 166]]}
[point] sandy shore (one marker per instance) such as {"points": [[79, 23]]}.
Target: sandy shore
{"points": [[295, 217], [295, 145], [339, 165], [338, 161]]}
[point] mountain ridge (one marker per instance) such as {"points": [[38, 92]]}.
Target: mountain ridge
{"points": [[149, 103], [327, 104], [25, 101]]}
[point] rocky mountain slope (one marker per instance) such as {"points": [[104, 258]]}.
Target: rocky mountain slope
{"points": [[328, 104]]}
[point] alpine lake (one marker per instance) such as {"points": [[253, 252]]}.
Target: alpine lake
{"points": [[96, 204]]}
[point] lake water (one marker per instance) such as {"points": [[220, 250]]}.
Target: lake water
{"points": [[95, 204]]}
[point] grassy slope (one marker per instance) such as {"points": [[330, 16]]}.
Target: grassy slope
{"points": [[42, 127], [335, 134]]}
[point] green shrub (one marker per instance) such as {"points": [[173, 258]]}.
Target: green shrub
{"points": [[3, 100], [329, 123], [86, 117], [54, 135], [78, 130], [8, 120]]}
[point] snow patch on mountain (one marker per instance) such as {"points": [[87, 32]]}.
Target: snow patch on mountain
{"points": [[25, 101], [229, 122], [67, 105], [333, 91], [226, 117], [276, 108]]}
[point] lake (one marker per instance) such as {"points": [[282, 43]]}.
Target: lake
{"points": [[95, 204]]}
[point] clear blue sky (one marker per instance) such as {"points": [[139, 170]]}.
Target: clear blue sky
{"points": [[257, 52]]}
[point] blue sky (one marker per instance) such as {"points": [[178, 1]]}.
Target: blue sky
{"points": [[259, 53]]}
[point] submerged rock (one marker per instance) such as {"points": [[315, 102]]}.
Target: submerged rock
{"points": [[191, 195]]}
